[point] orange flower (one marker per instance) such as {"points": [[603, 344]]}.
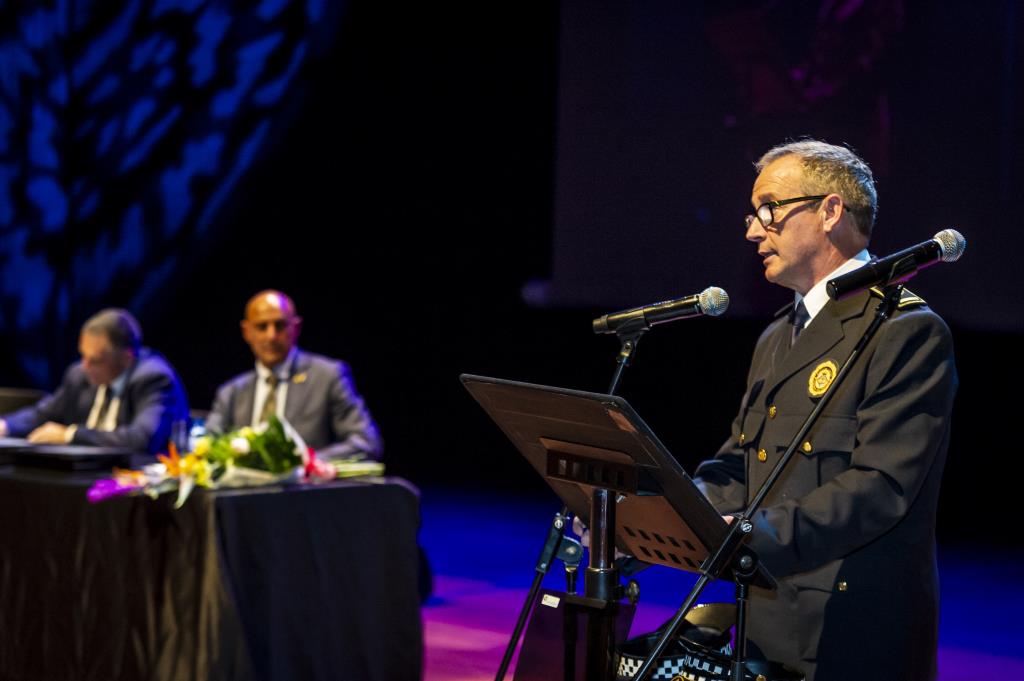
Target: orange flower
{"points": [[172, 461], [127, 477]]}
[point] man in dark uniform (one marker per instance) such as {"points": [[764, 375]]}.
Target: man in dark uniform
{"points": [[849, 529]]}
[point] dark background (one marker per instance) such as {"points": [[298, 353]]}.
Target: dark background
{"points": [[412, 174]]}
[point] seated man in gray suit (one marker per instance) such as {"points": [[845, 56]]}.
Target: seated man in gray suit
{"points": [[119, 395], [314, 394]]}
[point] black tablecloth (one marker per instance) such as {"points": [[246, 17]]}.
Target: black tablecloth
{"points": [[311, 582]]}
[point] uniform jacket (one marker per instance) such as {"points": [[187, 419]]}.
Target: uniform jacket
{"points": [[322, 405], [849, 529], [153, 399]]}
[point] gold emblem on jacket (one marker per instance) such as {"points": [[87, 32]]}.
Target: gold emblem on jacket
{"points": [[821, 378]]}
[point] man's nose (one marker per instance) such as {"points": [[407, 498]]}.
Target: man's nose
{"points": [[755, 232]]}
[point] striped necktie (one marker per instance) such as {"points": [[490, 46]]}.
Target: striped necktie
{"points": [[101, 405], [270, 404], [798, 318]]}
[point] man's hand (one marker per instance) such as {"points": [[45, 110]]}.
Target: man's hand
{"points": [[49, 433], [4, 430], [584, 534], [581, 531]]}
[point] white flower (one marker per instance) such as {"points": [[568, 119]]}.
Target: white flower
{"points": [[155, 473], [240, 445]]}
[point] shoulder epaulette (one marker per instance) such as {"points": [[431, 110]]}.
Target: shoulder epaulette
{"points": [[907, 298]]}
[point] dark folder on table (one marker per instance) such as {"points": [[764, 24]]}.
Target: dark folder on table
{"points": [[66, 457]]}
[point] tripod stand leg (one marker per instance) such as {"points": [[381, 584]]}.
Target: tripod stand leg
{"points": [[555, 535], [739, 651]]}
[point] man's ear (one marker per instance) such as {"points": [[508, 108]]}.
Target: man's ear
{"points": [[832, 210], [128, 355]]}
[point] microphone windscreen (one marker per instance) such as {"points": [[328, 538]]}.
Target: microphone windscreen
{"points": [[952, 244], [713, 301]]}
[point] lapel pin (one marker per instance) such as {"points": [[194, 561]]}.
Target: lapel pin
{"points": [[299, 378]]}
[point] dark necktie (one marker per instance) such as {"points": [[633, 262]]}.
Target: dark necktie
{"points": [[270, 404], [798, 318]]}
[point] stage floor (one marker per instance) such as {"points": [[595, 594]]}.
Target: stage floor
{"points": [[483, 547]]}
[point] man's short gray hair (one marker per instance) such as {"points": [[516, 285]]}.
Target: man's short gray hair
{"points": [[118, 325], [831, 169]]}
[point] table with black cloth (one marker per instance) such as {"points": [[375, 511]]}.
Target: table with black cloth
{"points": [[297, 582]]}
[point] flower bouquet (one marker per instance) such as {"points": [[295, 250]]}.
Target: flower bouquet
{"points": [[271, 453]]}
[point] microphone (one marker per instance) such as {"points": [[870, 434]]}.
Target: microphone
{"points": [[947, 246], [711, 301]]}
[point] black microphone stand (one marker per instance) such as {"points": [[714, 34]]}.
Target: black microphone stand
{"points": [[743, 562], [629, 336], [554, 540], [601, 576]]}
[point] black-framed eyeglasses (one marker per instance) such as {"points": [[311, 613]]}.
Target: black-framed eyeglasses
{"points": [[766, 211]]}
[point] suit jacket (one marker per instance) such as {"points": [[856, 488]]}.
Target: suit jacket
{"points": [[849, 529], [153, 399], [322, 405]]}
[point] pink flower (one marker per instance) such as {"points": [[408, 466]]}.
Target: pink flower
{"points": [[107, 488], [318, 469]]}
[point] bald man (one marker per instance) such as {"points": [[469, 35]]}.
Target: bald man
{"points": [[315, 394]]}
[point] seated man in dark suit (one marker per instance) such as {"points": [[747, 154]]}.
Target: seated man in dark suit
{"points": [[119, 395], [314, 394]]}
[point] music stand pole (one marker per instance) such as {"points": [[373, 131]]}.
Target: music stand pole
{"points": [[741, 525], [601, 575], [601, 579]]}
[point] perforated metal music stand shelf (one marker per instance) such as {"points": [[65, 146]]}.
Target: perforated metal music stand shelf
{"points": [[580, 442]]}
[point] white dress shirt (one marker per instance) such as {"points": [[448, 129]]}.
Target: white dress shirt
{"points": [[284, 372], [818, 296], [109, 421]]}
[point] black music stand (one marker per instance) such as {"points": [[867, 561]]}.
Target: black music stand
{"points": [[607, 465]]}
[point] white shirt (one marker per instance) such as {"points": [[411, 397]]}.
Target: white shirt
{"points": [[109, 421], [284, 372], [818, 296]]}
